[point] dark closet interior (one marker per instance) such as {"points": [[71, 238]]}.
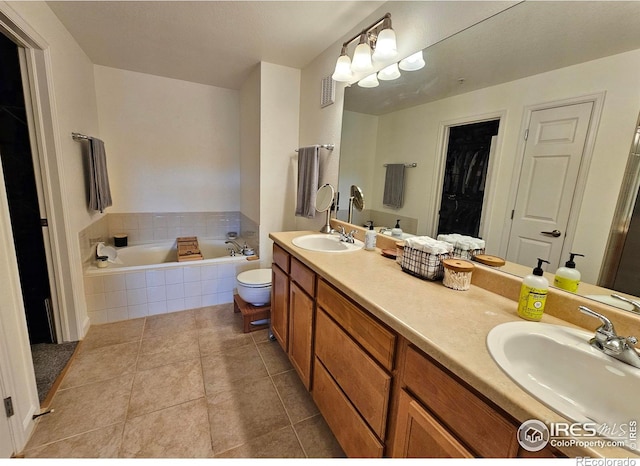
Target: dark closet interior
{"points": [[20, 184], [465, 177]]}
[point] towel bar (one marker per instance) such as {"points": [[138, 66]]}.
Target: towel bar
{"points": [[79, 137], [407, 165], [324, 146]]}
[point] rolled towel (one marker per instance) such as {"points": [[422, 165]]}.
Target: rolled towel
{"points": [[429, 245], [463, 242]]}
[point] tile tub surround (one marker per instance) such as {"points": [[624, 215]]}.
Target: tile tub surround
{"points": [[148, 227], [120, 295], [452, 326], [179, 385]]}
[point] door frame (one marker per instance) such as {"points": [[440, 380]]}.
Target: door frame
{"points": [[16, 364], [489, 187], [597, 99]]}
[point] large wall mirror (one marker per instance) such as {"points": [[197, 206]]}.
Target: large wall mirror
{"points": [[553, 87]]}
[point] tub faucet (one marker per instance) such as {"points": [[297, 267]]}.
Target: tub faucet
{"points": [[608, 341], [236, 249]]}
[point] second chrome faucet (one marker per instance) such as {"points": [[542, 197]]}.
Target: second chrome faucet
{"points": [[610, 343]]}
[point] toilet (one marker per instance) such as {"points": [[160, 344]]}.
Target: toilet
{"points": [[254, 286]]}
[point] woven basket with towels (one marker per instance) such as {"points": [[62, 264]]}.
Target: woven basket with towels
{"points": [[464, 247], [423, 257]]}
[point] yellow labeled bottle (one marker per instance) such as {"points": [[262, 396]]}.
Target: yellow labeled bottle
{"points": [[568, 277], [533, 294]]}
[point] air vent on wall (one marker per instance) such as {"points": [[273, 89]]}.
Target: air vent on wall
{"points": [[328, 92]]}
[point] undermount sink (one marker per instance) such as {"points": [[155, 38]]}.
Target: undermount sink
{"points": [[323, 242], [558, 366]]}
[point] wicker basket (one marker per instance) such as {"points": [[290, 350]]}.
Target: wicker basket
{"points": [[423, 264], [468, 254]]}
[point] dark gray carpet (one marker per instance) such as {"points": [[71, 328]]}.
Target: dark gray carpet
{"points": [[48, 362]]}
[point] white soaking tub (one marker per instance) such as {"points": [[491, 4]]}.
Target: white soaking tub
{"points": [[151, 281]]}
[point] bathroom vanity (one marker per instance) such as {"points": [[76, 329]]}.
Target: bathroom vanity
{"points": [[399, 366]]}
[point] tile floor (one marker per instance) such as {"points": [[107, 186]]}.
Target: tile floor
{"points": [[186, 384]]}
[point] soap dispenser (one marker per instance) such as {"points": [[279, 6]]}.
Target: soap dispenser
{"points": [[370, 238], [396, 231], [533, 294], [567, 277]]}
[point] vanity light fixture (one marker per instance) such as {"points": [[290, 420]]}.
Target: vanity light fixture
{"points": [[412, 62], [362, 56], [369, 81], [378, 37], [343, 72], [389, 73]]}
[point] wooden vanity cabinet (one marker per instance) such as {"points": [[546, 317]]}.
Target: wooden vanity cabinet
{"points": [[292, 310], [420, 435], [280, 296], [352, 382], [466, 423]]}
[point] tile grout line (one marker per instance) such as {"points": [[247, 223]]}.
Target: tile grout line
{"points": [[204, 387], [135, 371], [282, 402]]}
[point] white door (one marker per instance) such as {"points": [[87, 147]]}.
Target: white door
{"points": [[6, 438], [553, 153]]}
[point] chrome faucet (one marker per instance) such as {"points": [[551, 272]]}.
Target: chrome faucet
{"points": [[608, 341], [346, 237], [635, 304], [236, 249]]}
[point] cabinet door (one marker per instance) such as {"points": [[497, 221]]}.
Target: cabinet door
{"points": [[300, 332], [419, 435], [280, 306]]}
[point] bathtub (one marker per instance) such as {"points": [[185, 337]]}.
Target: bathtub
{"points": [[165, 254], [150, 281]]}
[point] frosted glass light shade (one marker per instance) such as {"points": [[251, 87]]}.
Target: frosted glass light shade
{"points": [[385, 46], [362, 59], [369, 81], [389, 73], [343, 73], [412, 62]]}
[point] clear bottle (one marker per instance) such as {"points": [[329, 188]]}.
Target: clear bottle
{"points": [[370, 238], [533, 294], [396, 231], [568, 277]]}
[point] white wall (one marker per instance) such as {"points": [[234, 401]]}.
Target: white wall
{"points": [[172, 146], [401, 133], [279, 113], [417, 25], [357, 153], [250, 146]]}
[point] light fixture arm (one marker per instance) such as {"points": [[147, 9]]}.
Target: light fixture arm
{"points": [[385, 20]]}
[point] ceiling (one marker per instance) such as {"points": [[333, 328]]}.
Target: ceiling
{"points": [[529, 38], [209, 42]]}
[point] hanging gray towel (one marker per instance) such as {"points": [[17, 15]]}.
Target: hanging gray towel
{"points": [[99, 191], [308, 174], [394, 186]]}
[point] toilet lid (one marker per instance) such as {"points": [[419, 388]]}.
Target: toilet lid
{"points": [[255, 278]]}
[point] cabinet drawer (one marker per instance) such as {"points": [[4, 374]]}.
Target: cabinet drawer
{"points": [[281, 258], [303, 276], [483, 428], [375, 338], [346, 424], [364, 382]]}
